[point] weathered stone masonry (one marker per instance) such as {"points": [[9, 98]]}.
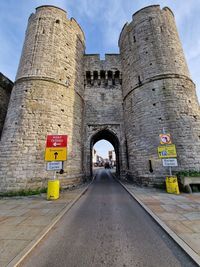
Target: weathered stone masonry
{"points": [[128, 99], [157, 93], [5, 91]]}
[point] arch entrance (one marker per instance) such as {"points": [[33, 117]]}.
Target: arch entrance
{"points": [[110, 137], [110, 133]]}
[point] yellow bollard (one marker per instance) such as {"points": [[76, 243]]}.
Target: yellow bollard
{"points": [[53, 189], [172, 185]]}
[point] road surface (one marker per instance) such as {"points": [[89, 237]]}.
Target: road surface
{"points": [[107, 228]]}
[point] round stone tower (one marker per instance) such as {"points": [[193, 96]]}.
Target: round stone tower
{"points": [[47, 98], [158, 95]]}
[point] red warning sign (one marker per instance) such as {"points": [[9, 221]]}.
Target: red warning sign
{"points": [[56, 141]]}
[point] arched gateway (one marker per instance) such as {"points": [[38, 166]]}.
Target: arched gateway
{"points": [[113, 139], [127, 99]]}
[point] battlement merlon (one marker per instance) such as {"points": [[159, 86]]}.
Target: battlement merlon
{"points": [[45, 9], [148, 12], [62, 14], [112, 62]]}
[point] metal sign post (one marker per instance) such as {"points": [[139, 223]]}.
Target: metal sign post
{"points": [[170, 171], [55, 154]]}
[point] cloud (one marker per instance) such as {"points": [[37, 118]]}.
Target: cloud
{"points": [[102, 22], [102, 147]]}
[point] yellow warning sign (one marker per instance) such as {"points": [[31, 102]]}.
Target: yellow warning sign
{"points": [[56, 154], [172, 185], [167, 151]]}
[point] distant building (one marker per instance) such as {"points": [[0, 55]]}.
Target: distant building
{"points": [[97, 160], [112, 157], [94, 156]]}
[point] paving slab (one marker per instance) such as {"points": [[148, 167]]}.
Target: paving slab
{"points": [[193, 239], [24, 220], [179, 215]]}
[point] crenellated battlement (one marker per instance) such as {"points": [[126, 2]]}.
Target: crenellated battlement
{"points": [[126, 98], [105, 72]]}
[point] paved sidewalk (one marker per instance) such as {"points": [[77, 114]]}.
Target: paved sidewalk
{"points": [[23, 220], [180, 213]]}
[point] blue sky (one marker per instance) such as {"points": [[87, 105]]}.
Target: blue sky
{"points": [[102, 22]]}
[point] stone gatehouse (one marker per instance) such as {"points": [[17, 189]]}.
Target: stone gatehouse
{"points": [[127, 99]]}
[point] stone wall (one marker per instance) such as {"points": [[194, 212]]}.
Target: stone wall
{"points": [[47, 99], [157, 94], [103, 101], [5, 91], [127, 99]]}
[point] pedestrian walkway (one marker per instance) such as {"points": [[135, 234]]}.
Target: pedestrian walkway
{"points": [[178, 214], [24, 220]]}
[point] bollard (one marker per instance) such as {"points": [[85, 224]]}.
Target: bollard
{"points": [[53, 189], [172, 185]]}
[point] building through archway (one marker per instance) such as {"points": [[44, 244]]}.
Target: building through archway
{"points": [[110, 137]]}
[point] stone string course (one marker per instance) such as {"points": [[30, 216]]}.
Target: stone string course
{"points": [[129, 96]]}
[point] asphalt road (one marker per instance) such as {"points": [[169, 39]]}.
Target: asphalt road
{"points": [[106, 227]]}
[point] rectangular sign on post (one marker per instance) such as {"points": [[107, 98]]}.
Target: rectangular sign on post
{"points": [[167, 151], [54, 165], [170, 162], [56, 154], [56, 141]]}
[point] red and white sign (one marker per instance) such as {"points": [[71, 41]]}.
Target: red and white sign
{"points": [[56, 141], [165, 139]]}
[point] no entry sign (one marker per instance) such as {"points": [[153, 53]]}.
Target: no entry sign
{"points": [[56, 141]]}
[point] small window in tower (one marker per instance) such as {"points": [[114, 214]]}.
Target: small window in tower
{"points": [[95, 74], [102, 74], [110, 75], [117, 74], [88, 77], [58, 21], [139, 80], [134, 39], [195, 117], [150, 166]]}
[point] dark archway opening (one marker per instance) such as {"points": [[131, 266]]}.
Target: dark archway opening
{"points": [[110, 137]]}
